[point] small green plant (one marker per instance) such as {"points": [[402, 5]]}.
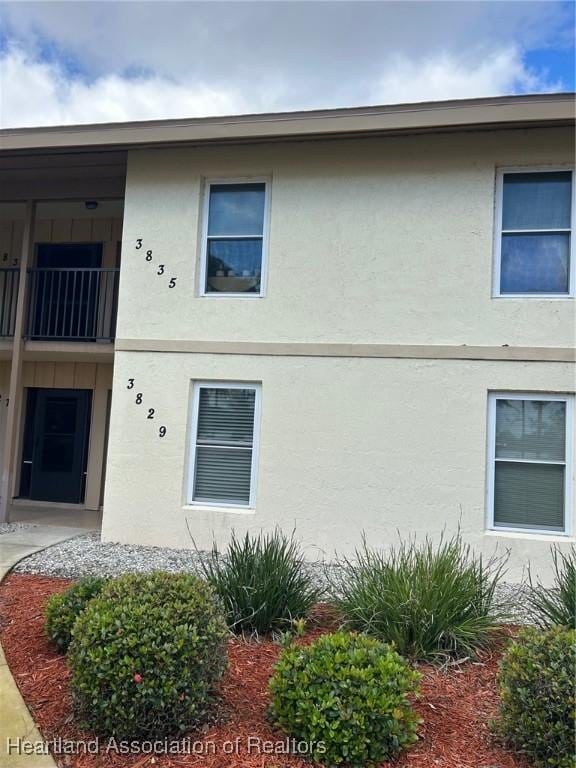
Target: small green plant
{"points": [[299, 627], [431, 601], [538, 696], [63, 609], [347, 696], [556, 605], [263, 581], [145, 656]]}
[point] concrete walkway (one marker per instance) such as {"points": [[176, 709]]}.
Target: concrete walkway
{"points": [[15, 720]]}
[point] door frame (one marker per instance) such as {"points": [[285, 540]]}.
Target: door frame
{"points": [[81, 440]]}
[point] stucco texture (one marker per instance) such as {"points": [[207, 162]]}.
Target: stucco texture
{"points": [[381, 240], [347, 446]]}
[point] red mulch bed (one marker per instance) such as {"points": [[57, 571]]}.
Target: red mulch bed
{"points": [[456, 705]]}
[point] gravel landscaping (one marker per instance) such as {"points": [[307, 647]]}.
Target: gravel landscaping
{"points": [[86, 555]]}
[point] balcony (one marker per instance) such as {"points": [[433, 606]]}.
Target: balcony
{"points": [[76, 304], [9, 278]]}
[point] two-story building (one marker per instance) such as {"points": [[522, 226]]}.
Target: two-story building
{"points": [[344, 322]]}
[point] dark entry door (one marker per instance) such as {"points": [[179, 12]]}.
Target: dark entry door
{"points": [[60, 445], [65, 293]]}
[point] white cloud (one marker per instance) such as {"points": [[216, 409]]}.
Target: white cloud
{"points": [[35, 92], [447, 76], [38, 93], [201, 58]]}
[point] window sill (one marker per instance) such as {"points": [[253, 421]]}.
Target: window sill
{"points": [[541, 296], [231, 296], [527, 535], [219, 508]]}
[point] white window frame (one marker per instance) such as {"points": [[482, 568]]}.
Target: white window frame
{"points": [[265, 235], [498, 232], [493, 398], [193, 441]]}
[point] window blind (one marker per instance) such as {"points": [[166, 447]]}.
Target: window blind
{"points": [[224, 445], [530, 466]]}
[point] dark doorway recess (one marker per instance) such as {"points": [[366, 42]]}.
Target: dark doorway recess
{"points": [[55, 450]]}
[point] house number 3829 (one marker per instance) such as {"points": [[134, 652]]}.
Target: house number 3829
{"points": [[138, 400]]}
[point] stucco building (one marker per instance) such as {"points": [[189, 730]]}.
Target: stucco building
{"points": [[343, 322]]}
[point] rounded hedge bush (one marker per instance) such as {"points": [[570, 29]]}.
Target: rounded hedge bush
{"points": [[347, 696], [145, 655], [538, 696], [63, 609]]}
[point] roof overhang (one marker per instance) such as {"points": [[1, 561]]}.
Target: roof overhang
{"points": [[470, 114]]}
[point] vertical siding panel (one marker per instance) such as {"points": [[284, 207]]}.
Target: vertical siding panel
{"points": [[116, 230], [6, 248], [64, 375], [85, 376], [43, 231], [101, 230], [61, 230], [4, 388], [109, 254], [44, 374], [17, 235], [104, 376], [81, 230], [29, 374]]}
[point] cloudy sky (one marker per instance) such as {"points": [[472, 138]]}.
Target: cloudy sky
{"points": [[78, 62]]}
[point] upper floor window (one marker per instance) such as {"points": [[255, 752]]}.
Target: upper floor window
{"points": [[531, 466], [533, 249], [234, 238]]}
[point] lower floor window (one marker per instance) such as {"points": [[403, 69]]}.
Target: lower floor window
{"points": [[224, 444], [530, 454]]}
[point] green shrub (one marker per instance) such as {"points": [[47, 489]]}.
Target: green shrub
{"points": [[556, 605], [430, 601], [145, 655], [63, 609], [538, 690], [347, 695], [263, 582]]}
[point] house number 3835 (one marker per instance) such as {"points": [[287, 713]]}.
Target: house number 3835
{"points": [[149, 257]]}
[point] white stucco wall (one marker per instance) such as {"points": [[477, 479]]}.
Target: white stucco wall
{"points": [[383, 241], [346, 446], [386, 240]]}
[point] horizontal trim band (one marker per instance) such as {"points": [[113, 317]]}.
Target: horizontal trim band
{"points": [[312, 349]]}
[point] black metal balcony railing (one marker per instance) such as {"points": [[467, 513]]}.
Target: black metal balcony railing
{"points": [[72, 304], [8, 300]]}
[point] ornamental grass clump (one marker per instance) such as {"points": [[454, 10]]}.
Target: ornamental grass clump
{"points": [[433, 602], [538, 696], [263, 582], [63, 609], [146, 654], [556, 605], [348, 697]]}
